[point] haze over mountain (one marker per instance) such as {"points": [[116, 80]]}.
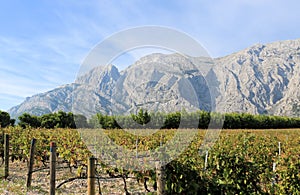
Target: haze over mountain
{"points": [[262, 79]]}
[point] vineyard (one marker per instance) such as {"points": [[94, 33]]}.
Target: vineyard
{"points": [[240, 162]]}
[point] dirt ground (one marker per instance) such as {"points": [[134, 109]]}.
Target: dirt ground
{"points": [[16, 183]]}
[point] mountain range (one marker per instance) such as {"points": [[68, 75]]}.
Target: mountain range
{"points": [[262, 79]]}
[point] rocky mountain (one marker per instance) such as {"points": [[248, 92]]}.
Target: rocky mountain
{"points": [[262, 79]]}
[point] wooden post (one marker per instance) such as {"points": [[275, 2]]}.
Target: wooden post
{"points": [[160, 178], [6, 156], [205, 162], [52, 167], [31, 162], [274, 176], [136, 148], [279, 148], [91, 176]]}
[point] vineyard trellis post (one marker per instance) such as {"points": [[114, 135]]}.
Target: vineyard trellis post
{"points": [[31, 162], [6, 156], [205, 161], [52, 167], [279, 148], [136, 148], [160, 178], [91, 176]]}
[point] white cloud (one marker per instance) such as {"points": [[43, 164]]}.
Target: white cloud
{"points": [[28, 67]]}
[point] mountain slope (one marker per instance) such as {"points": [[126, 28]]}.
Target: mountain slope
{"points": [[260, 79], [256, 79]]}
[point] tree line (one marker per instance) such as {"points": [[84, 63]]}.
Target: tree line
{"points": [[59, 119], [159, 120], [199, 119]]}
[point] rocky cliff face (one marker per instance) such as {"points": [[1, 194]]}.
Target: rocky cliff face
{"points": [[260, 79], [161, 82], [51, 101]]}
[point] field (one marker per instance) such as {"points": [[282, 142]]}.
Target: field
{"points": [[239, 162]]}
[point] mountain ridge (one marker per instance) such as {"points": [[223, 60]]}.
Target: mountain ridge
{"points": [[261, 79]]}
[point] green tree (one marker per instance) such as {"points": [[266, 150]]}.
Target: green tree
{"points": [[62, 119], [81, 121], [70, 121], [29, 120], [65, 120], [142, 117], [172, 120], [58, 120], [103, 121], [12, 122], [49, 121], [94, 122], [4, 119]]}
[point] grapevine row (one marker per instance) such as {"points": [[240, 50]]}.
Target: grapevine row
{"points": [[241, 161]]}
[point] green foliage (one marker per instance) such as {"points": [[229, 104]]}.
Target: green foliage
{"points": [[248, 121], [48, 121], [5, 119], [94, 122], [236, 169], [172, 120], [142, 117], [291, 177], [107, 122], [81, 121], [183, 179], [240, 162], [12, 122], [29, 120], [58, 120], [200, 119], [70, 147]]}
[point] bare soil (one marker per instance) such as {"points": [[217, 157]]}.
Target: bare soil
{"points": [[16, 182]]}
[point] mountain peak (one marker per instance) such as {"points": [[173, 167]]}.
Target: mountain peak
{"points": [[263, 78], [97, 74]]}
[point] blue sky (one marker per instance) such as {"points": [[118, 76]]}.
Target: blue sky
{"points": [[43, 42]]}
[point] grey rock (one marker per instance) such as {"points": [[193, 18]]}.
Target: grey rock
{"points": [[262, 79]]}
